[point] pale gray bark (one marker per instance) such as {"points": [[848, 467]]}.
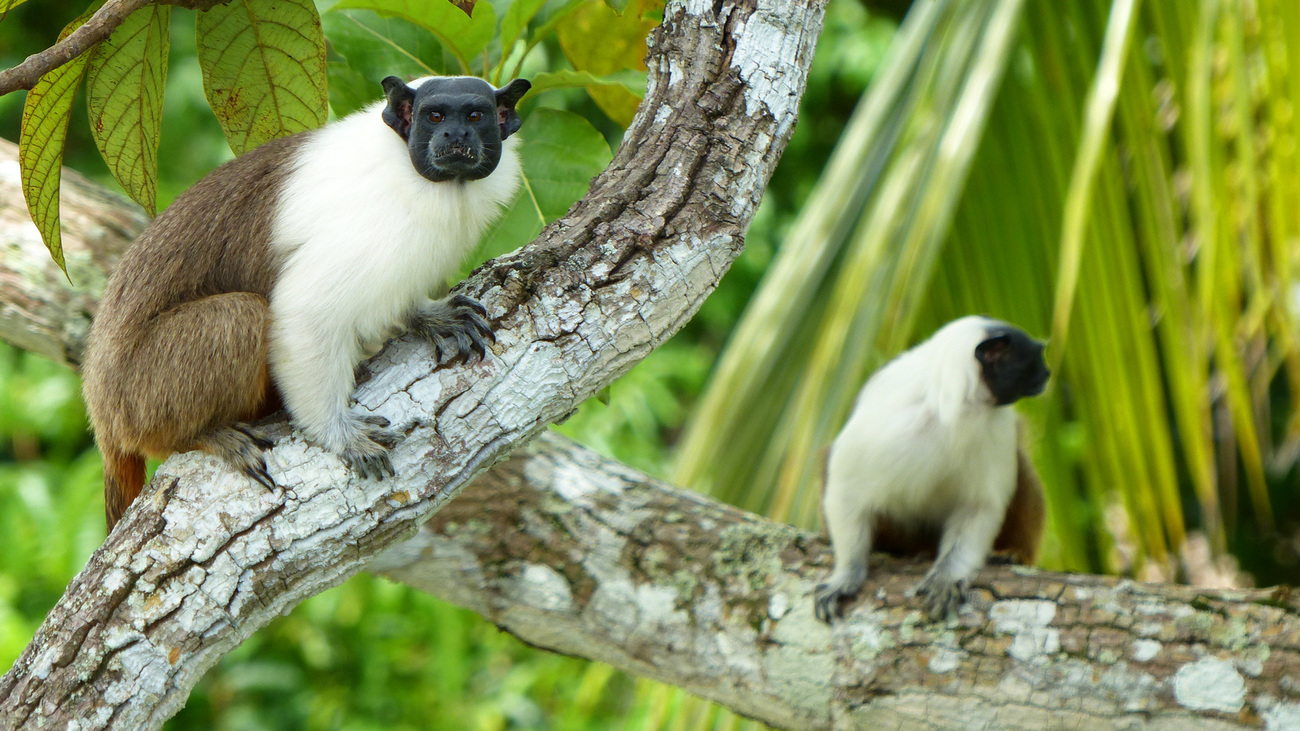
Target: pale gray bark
{"points": [[583, 556], [207, 557]]}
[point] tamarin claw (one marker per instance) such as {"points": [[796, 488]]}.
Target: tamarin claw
{"points": [[457, 320]]}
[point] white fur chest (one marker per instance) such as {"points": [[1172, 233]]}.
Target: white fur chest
{"points": [[925, 437], [364, 237]]}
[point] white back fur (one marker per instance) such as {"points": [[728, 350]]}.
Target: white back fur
{"points": [[925, 438], [364, 239]]}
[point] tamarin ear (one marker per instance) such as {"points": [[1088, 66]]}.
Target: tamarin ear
{"points": [[398, 112], [507, 97], [992, 349]]}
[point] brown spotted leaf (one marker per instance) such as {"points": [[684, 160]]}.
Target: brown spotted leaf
{"points": [[124, 100], [40, 143], [263, 67]]}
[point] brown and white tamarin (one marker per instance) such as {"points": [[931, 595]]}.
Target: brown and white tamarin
{"points": [[266, 282]]}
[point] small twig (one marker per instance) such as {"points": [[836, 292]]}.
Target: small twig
{"points": [[100, 26]]}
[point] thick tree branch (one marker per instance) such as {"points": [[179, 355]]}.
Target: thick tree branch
{"points": [[206, 558], [581, 555]]}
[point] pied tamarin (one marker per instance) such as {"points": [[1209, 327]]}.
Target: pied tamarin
{"points": [[267, 282], [928, 462]]}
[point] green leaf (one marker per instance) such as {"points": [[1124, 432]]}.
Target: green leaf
{"points": [[464, 36], [547, 28], [263, 67], [597, 40], [7, 5], [628, 79], [561, 152], [40, 144], [125, 79], [366, 47], [618, 6], [515, 22]]}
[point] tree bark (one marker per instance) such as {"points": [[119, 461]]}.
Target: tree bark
{"points": [[580, 555], [207, 557], [577, 554]]}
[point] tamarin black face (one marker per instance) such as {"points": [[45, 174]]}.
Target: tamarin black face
{"points": [[1011, 365], [454, 126]]}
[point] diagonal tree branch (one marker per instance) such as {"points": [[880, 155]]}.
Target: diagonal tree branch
{"points": [[206, 558], [100, 26]]}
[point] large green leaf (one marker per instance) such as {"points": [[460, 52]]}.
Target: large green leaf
{"points": [[124, 99], [600, 41], [263, 67], [628, 80], [366, 47], [40, 143], [561, 152], [463, 35]]}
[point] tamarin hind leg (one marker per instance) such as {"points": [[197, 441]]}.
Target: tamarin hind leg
{"points": [[183, 384], [240, 447], [203, 365]]}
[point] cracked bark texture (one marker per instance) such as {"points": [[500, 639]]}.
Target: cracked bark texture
{"points": [[205, 557], [577, 554]]}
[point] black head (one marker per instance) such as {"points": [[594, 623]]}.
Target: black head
{"points": [[453, 126], [1011, 364]]}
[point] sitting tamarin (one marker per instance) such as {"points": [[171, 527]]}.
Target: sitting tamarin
{"points": [[265, 282], [929, 456]]}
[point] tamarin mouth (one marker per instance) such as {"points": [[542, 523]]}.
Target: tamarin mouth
{"points": [[455, 149]]}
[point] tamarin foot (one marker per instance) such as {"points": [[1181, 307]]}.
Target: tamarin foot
{"points": [[456, 319], [827, 600], [241, 447], [368, 454], [942, 596]]}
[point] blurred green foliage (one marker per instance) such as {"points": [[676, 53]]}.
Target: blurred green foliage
{"points": [[371, 654]]}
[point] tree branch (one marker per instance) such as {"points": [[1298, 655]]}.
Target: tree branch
{"points": [[577, 554], [206, 558], [100, 26]]}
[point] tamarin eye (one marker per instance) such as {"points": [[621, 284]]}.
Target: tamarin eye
{"points": [[476, 116], [435, 117]]}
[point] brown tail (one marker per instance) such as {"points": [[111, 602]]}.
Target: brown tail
{"points": [[1022, 529], [123, 478]]}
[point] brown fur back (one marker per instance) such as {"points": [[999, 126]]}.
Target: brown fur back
{"points": [[178, 344]]}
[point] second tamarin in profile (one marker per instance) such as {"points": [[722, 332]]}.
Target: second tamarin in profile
{"points": [[929, 460], [269, 279]]}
